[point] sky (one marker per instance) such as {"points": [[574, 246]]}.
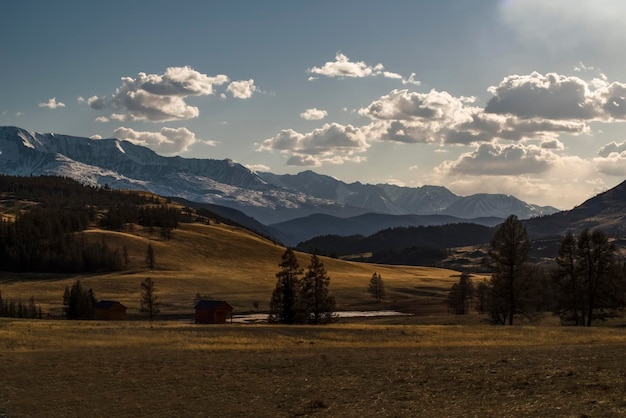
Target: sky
{"points": [[523, 97]]}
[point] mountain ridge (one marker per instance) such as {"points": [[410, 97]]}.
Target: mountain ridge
{"points": [[267, 197]]}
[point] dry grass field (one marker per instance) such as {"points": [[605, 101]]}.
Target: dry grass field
{"points": [[224, 262], [404, 366], [172, 368]]}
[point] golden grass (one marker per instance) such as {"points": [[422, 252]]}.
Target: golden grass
{"points": [[224, 262], [162, 369]]}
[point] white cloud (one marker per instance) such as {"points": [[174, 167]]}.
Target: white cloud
{"points": [[611, 159], [558, 97], [102, 119], [118, 117], [95, 137], [166, 141], [612, 147], [52, 104], [156, 97], [257, 167], [333, 143], [313, 114], [242, 89], [496, 159], [343, 67]]}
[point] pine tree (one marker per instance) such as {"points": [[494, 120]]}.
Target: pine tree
{"points": [[377, 287], [79, 303], [283, 301], [315, 305], [511, 281]]}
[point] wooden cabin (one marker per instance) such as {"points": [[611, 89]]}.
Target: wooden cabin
{"points": [[110, 310], [213, 312]]}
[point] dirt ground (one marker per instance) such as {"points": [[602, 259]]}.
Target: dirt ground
{"points": [[64, 369]]}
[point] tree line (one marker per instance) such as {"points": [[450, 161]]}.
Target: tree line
{"points": [[587, 283], [18, 308]]}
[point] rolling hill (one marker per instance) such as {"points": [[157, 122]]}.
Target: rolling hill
{"points": [[204, 255]]}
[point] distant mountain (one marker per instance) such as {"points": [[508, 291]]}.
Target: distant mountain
{"points": [[494, 205], [267, 197], [606, 211], [297, 230]]}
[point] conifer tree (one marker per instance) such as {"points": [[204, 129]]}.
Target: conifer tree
{"points": [[79, 302], [315, 304], [283, 301], [377, 287]]}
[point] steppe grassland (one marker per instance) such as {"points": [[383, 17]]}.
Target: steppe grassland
{"points": [[137, 368], [223, 262]]}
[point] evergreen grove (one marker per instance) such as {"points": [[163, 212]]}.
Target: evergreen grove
{"points": [[587, 283], [301, 298]]}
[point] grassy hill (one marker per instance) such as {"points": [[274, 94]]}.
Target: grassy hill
{"points": [[218, 260]]}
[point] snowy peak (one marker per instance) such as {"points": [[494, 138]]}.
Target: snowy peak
{"points": [[487, 205], [268, 197]]}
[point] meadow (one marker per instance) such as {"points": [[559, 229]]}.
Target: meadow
{"points": [[224, 262], [173, 368], [422, 365]]}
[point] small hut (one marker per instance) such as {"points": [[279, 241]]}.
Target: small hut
{"points": [[110, 310], [213, 312]]}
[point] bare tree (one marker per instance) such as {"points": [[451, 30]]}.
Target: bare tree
{"points": [[149, 300], [150, 257]]}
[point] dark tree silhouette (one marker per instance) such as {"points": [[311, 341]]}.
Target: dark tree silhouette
{"points": [[149, 300], [589, 280], [461, 294], [511, 281], [283, 301], [150, 257], [79, 302], [377, 287], [315, 304]]}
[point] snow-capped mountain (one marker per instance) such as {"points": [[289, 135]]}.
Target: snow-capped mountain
{"points": [[267, 197]]}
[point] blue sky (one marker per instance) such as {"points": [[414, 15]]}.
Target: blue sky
{"points": [[497, 96]]}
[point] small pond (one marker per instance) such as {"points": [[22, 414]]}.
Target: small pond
{"points": [[262, 317]]}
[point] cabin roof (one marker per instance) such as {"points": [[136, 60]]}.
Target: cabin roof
{"points": [[106, 304], [207, 304]]}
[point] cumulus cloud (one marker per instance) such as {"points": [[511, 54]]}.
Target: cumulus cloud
{"points": [[611, 148], [95, 136], [52, 104], [343, 67], [242, 89], [611, 159], [439, 117], [102, 119], [496, 159], [313, 114], [558, 97], [333, 143], [161, 97], [166, 141]]}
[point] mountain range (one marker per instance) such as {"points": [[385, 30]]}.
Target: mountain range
{"points": [[268, 198]]}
